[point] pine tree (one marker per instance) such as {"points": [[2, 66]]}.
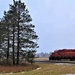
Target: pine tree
{"points": [[5, 26], [19, 31]]}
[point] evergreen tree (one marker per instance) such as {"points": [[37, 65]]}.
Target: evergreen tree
{"points": [[20, 34], [5, 33]]}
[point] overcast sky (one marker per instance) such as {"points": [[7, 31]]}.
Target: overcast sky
{"points": [[54, 21]]}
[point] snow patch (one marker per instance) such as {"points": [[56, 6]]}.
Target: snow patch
{"points": [[68, 74], [38, 68], [62, 64], [22, 72]]}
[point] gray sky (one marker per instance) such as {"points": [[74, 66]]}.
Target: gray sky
{"points": [[54, 21]]}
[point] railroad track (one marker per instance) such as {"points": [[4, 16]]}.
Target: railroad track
{"points": [[48, 61]]}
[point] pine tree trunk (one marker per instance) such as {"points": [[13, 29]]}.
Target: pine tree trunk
{"points": [[18, 46], [8, 47], [13, 47]]}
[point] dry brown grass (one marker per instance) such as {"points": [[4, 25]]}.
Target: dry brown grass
{"points": [[41, 59], [17, 68], [49, 69]]}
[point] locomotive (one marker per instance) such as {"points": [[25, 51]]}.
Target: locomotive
{"points": [[63, 54]]}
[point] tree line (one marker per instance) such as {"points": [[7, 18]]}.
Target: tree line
{"points": [[18, 39], [43, 55]]}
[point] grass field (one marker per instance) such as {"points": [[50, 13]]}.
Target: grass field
{"points": [[48, 69]]}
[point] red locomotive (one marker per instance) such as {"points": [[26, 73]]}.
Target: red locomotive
{"points": [[63, 54]]}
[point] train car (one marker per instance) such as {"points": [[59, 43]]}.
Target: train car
{"points": [[63, 54]]}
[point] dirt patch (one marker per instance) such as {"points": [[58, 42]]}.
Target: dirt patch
{"points": [[17, 68]]}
